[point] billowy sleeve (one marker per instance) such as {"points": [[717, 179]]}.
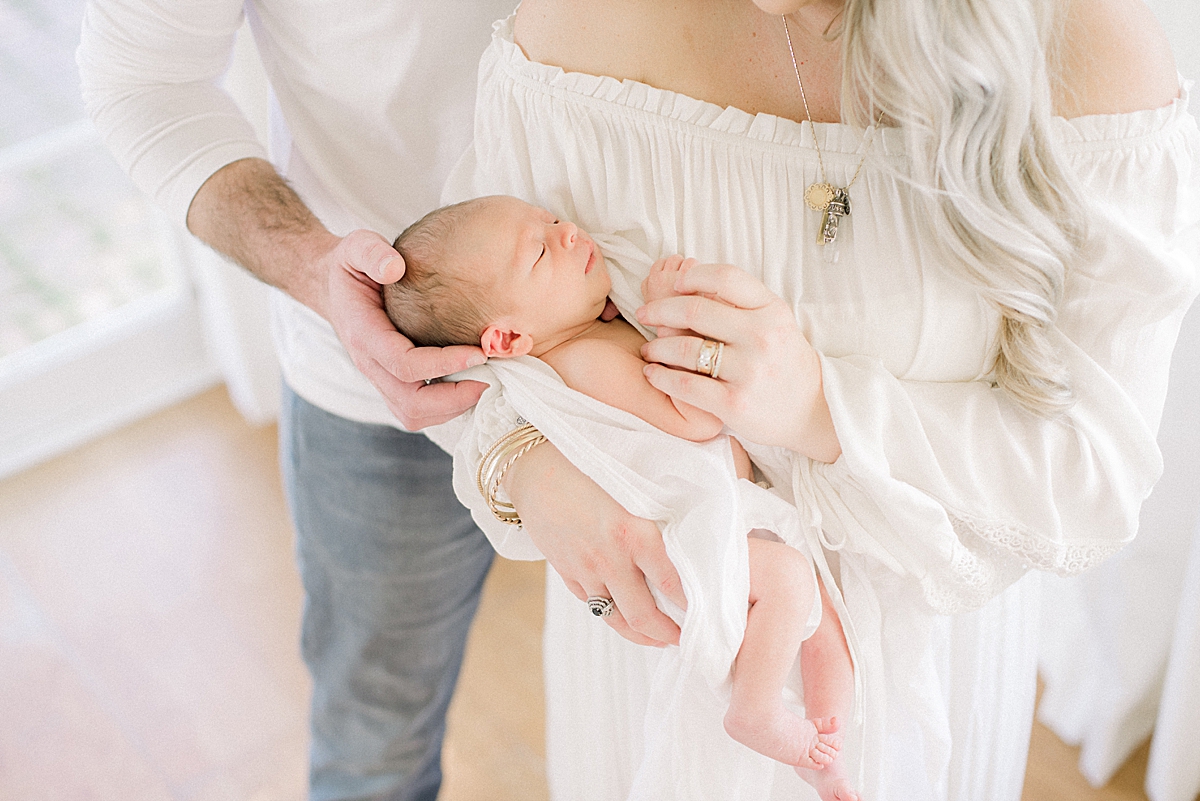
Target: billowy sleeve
{"points": [[150, 74], [952, 483]]}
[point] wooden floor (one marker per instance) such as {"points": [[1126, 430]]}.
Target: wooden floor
{"points": [[149, 608]]}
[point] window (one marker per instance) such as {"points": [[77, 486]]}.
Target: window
{"points": [[98, 318]]}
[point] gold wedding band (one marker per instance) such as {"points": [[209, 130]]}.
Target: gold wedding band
{"points": [[709, 361], [716, 367]]}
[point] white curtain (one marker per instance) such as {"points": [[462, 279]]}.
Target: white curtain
{"points": [[1120, 645], [1173, 773]]}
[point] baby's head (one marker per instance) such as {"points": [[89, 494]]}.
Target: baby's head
{"points": [[498, 273]]}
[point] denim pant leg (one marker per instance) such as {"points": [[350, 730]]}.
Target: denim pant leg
{"points": [[392, 567]]}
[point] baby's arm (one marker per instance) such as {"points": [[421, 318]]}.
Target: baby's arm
{"points": [[611, 374]]}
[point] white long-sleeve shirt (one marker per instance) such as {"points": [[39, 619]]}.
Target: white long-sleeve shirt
{"points": [[374, 106]]}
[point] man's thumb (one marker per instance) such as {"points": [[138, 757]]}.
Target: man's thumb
{"points": [[370, 254]]}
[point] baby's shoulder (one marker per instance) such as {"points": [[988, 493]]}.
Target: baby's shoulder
{"points": [[604, 354]]}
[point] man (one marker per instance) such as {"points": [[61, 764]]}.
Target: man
{"points": [[373, 105], [375, 102]]}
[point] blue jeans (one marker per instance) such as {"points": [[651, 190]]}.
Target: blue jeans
{"points": [[392, 567]]}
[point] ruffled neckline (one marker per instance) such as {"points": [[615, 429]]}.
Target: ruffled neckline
{"points": [[1101, 131], [699, 115], [1090, 132]]}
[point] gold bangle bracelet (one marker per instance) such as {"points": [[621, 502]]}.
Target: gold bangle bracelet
{"points": [[495, 464]]}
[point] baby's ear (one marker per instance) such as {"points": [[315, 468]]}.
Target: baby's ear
{"points": [[503, 343]]}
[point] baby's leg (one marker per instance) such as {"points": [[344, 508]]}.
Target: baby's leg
{"points": [[781, 598], [828, 676]]}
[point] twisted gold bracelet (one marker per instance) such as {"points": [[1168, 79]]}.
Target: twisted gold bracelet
{"points": [[495, 464]]}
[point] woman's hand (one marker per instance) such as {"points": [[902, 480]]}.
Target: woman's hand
{"points": [[595, 545], [768, 388]]}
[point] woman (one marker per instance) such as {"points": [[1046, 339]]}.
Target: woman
{"points": [[960, 383]]}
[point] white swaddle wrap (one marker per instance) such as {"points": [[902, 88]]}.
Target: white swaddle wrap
{"points": [[704, 511]]}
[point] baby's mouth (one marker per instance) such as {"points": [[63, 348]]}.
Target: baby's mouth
{"points": [[591, 259]]}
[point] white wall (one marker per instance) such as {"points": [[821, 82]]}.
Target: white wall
{"points": [[1181, 18]]}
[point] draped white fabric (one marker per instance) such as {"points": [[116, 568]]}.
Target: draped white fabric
{"points": [[705, 513]]}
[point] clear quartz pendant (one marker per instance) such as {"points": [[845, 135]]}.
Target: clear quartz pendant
{"points": [[830, 253]]}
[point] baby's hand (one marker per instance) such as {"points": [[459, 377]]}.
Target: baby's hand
{"points": [[660, 283]]}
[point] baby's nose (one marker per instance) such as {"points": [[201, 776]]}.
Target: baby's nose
{"points": [[569, 233]]}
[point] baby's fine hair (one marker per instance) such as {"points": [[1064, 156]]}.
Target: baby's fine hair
{"points": [[435, 303]]}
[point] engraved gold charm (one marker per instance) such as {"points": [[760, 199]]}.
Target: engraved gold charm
{"points": [[819, 195]]}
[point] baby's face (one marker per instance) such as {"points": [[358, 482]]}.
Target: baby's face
{"points": [[545, 274]]}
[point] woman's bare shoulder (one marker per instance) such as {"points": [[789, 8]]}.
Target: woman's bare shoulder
{"points": [[600, 37], [1114, 58], [707, 49]]}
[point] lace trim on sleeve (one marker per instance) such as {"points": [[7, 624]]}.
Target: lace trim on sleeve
{"points": [[988, 557], [1063, 558], [976, 572]]}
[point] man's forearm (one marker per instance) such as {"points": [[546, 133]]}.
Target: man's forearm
{"points": [[249, 213]]}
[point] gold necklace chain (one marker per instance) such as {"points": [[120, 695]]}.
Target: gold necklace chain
{"points": [[823, 196]]}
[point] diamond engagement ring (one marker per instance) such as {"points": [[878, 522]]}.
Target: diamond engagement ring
{"points": [[601, 606]]}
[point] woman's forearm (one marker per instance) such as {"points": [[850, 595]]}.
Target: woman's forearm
{"points": [[820, 440], [594, 544]]}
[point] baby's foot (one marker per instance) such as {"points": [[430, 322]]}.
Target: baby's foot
{"points": [[786, 737], [824, 747], [830, 783]]}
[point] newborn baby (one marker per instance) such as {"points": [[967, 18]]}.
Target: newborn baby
{"points": [[512, 278]]}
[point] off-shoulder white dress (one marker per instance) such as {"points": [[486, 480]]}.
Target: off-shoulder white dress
{"points": [[946, 494]]}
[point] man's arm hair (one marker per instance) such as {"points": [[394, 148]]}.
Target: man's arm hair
{"points": [[248, 212]]}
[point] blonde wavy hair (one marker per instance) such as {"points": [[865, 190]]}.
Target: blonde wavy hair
{"points": [[969, 83]]}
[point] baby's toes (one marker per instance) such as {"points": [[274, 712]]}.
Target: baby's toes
{"points": [[833, 741], [826, 725]]}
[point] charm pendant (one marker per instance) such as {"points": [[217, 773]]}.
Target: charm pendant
{"points": [[838, 207], [818, 196]]}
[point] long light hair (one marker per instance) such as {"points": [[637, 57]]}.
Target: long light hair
{"points": [[968, 81]]}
